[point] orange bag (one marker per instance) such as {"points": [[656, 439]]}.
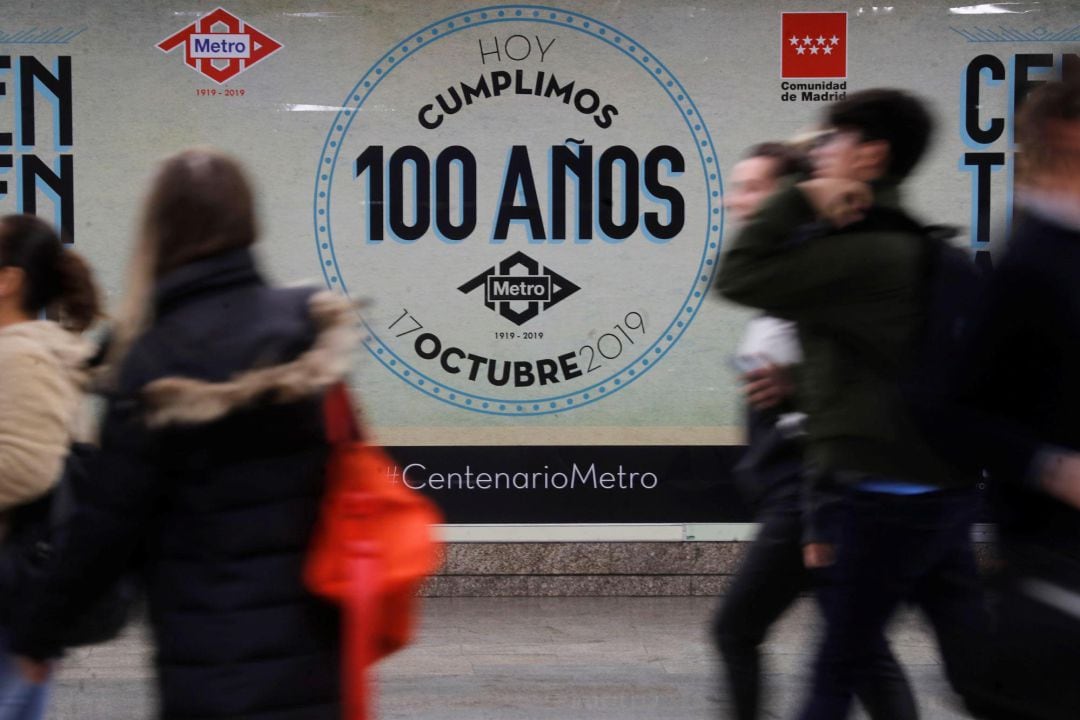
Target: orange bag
{"points": [[372, 548]]}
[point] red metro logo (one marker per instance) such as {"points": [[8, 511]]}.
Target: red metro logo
{"points": [[220, 45]]}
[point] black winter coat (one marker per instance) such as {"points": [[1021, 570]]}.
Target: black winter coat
{"points": [[211, 470], [1021, 373]]}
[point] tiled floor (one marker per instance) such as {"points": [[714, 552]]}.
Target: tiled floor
{"points": [[539, 659]]}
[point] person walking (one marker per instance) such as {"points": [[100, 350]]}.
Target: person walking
{"points": [[42, 377], [885, 516], [1019, 376], [214, 450], [772, 574]]}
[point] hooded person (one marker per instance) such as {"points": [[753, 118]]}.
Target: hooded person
{"points": [[215, 451]]}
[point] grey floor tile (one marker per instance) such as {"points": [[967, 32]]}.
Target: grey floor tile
{"points": [[539, 659]]}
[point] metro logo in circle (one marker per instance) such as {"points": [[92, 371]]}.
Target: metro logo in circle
{"points": [[220, 45], [537, 289], [536, 224]]}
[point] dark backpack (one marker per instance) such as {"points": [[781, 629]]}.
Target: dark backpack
{"points": [[951, 296], [952, 290], [37, 536]]}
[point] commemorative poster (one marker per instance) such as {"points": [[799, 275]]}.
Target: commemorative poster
{"points": [[526, 201]]}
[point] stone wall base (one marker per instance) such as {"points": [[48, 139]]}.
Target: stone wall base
{"points": [[650, 569]]}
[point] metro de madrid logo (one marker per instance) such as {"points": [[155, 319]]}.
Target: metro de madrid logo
{"points": [[536, 225], [538, 288], [220, 45]]}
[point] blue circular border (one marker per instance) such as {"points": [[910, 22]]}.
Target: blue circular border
{"points": [[603, 32]]}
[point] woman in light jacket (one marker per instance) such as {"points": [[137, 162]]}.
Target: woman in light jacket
{"points": [[214, 449], [42, 369]]}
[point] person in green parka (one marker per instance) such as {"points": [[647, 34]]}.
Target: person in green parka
{"points": [[885, 519]]}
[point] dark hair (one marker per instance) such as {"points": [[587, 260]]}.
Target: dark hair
{"points": [[897, 117], [54, 277], [789, 161], [1038, 128], [200, 205]]}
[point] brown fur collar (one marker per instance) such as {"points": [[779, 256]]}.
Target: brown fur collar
{"points": [[183, 401]]}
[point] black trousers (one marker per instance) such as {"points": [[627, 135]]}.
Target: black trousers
{"points": [[770, 579], [893, 549]]}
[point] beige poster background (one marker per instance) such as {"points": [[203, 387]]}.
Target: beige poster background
{"points": [[133, 104]]}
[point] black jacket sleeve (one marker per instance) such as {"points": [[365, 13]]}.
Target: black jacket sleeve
{"points": [[1001, 375]]}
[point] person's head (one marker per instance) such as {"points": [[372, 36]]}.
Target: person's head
{"points": [[873, 134], [754, 178], [37, 274], [1048, 132], [200, 205]]}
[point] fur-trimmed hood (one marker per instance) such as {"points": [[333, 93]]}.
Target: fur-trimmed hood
{"points": [[185, 401]]}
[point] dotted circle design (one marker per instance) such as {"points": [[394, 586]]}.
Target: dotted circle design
{"points": [[653, 68]]}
